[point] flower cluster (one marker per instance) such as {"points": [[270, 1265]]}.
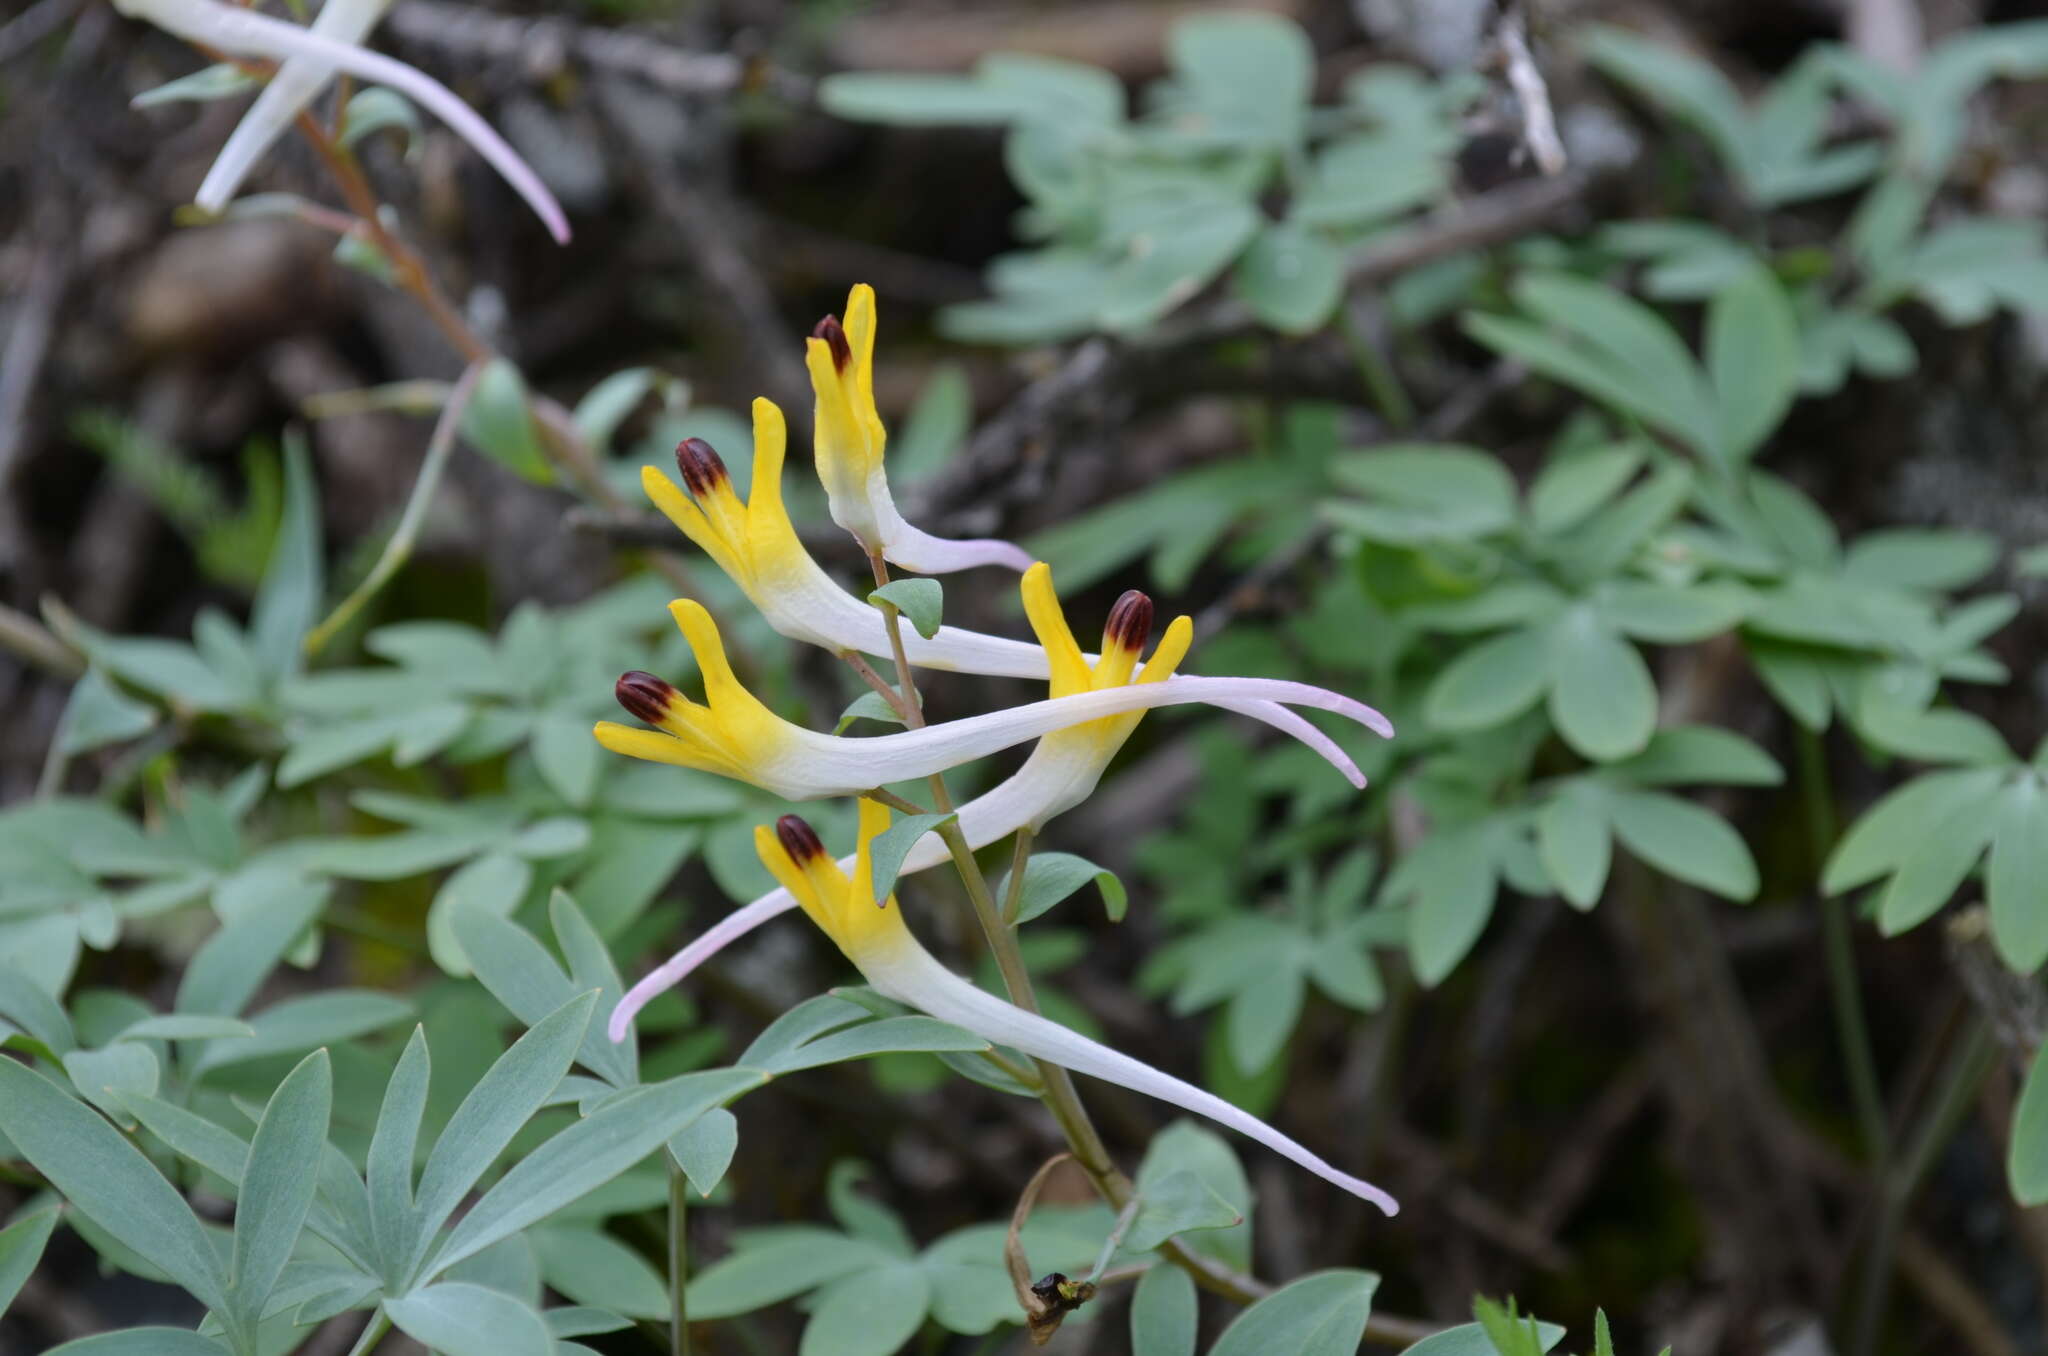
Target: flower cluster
{"points": [[1094, 703]]}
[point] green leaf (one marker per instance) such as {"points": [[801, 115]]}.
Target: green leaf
{"points": [[1050, 877], [276, 1189], [1698, 755], [392, 1146], [886, 1036], [142, 1342], [1322, 1314], [297, 1024], [1893, 830], [372, 110], [705, 1148], [1176, 1203], [1491, 683], [870, 1314], [1423, 493], [459, 1319], [588, 1154], [2026, 1165], [1291, 278], [1917, 558], [499, 423], [2013, 880], [867, 706], [1603, 1340], [1164, 1313], [221, 81], [108, 1180], [1602, 698], [923, 601], [1248, 75], [1752, 346], [288, 600], [861, 1215], [233, 963], [98, 714], [503, 1100], [893, 844], [1186, 1146], [104, 1077], [491, 884], [1261, 1017], [1452, 879], [1570, 488], [594, 1269], [21, 1247], [1685, 841], [1171, 261], [773, 1264], [28, 1006], [568, 758], [178, 1027], [1928, 878], [1642, 357], [1572, 838], [1470, 1339], [1665, 615]]}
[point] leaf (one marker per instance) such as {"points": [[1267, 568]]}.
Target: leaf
{"points": [[1248, 74], [867, 706], [1686, 841], [1172, 260], [180, 1027], [223, 80], [1572, 838], [491, 884], [499, 423], [142, 1342], [372, 110], [886, 1036], [459, 1319], [1050, 877], [705, 1147], [276, 1189], [503, 1100], [1752, 347], [1322, 1314], [1261, 1017], [288, 600], [1291, 278], [588, 1154], [108, 1180], [1602, 698], [233, 963], [103, 1077], [1469, 1339], [1892, 831], [1928, 878], [893, 844], [1451, 878], [393, 1144], [870, 1314], [1571, 487], [28, 1006], [1423, 493], [1164, 1313], [1490, 683], [594, 1269], [1665, 615], [1698, 755], [1177, 1203], [297, 1024], [923, 601], [21, 1247], [2026, 1165], [2013, 880], [1917, 558], [773, 1264], [98, 714], [1186, 1146], [568, 758], [861, 1215]]}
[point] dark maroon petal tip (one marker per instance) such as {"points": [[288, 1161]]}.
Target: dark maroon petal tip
{"points": [[703, 470], [798, 839], [647, 697], [834, 335], [1130, 621]]}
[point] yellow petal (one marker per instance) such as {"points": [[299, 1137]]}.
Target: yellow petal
{"points": [[1049, 624]]}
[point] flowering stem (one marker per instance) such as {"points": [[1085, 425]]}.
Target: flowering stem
{"points": [[373, 1333], [1020, 858], [678, 1259]]}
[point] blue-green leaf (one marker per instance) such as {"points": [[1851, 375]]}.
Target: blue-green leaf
{"points": [[1322, 1314], [459, 1319], [277, 1188]]}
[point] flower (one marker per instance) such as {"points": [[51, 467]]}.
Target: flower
{"points": [[872, 934], [755, 543], [310, 56], [848, 442], [1060, 773], [734, 735]]}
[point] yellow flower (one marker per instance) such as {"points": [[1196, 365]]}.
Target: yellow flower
{"points": [[872, 934], [849, 439]]}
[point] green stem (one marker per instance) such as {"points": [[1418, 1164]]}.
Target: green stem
{"points": [[1020, 858], [1378, 375], [678, 1258], [1838, 937], [373, 1333], [1968, 1064]]}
